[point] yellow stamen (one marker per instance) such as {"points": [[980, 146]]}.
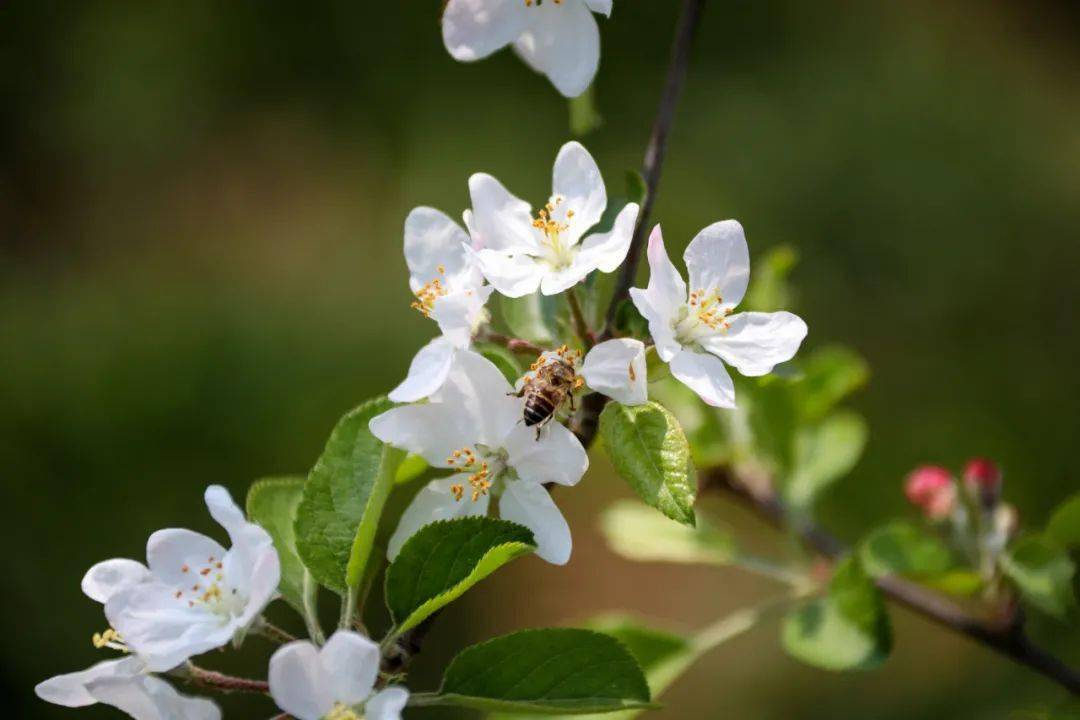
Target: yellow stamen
{"points": [[109, 639], [342, 712], [429, 293]]}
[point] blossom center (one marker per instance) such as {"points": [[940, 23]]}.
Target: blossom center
{"points": [[429, 293], [484, 467], [340, 711], [210, 590], [556, 251], [703, 314]]}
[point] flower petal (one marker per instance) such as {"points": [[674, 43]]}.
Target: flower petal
{"points": [[617, 369], [556, 281], [70, 690], [499, 221], [577, 183], [427, 372], [556, 457], [434, 242], [600, 6], [705, 375], [108, 577], [529, 504], [387, 704], [562, 42], [170, 551], [433, 430], [151, 698], [718, 260], [480, 395], [606, 251], [297, 682], [251, 565], [473, 29], [756, 342], [661, 301], [351, 664], [460, 313], [512, 275], [434, 502]]}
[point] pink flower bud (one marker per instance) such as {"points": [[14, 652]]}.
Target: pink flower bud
{"points": [[931, 489], [983, 480]]}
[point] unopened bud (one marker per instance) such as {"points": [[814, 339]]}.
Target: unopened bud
{"points": [[983, 480], [1006, 521], [931, 488]]}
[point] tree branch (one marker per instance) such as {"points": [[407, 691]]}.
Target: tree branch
{"points": [[1004, 635], [213, 680]]}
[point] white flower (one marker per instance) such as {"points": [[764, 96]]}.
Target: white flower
{"points": [[473, 425], [310, 683], [125, 685], [449, 289], [694, 331], [520, 253], [617, 369], [194, 596], [558, 38]]}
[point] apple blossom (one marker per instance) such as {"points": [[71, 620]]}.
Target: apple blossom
{"points": [[473, 425], [449, 289], [125, 685], [696, 332], [982, 478], [617, 369], [932, 489], [193, 595], [558, 38], [335, 681], [519, 254]]}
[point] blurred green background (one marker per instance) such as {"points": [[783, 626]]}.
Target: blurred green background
{"points": [[200, 271]]}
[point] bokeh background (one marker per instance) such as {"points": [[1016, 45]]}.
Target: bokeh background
{"points": [[200, 271]]}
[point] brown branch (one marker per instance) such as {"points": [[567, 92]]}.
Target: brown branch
{"points": [[513, 344], [213, 680], [1005, 635]]}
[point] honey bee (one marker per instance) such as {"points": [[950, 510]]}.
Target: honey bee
{"points": [[552, 383]]}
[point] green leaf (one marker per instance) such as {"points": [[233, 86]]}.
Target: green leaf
{"points": [[901, 548], [272, 503], [533, 317], [444, 559], [824, 453], [962, 583], [769, 289], [503, 359], [1043, 573], [829, 374], [558, 671], [1064, 525], [637, 532], [412, 467], [848, 629], [343, 498], [649, 450]]}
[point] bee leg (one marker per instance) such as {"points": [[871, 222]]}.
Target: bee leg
{"points": [[519, 393]]}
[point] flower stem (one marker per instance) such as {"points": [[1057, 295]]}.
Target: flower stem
{"points": [[213, 680], [311, 610], [581, 325], [272, 632], [348, 608]]}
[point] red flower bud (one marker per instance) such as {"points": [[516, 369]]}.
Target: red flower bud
{"points": [[983, 480], [931, 488]]}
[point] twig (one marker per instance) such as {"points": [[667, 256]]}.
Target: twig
{"points": [[513, 344], [213, 680], [1005, 636], [272, 632]]}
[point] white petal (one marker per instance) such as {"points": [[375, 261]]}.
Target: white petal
{"points": [[576, 181], [386, 704], [473, 29], [718, 260], [499, 221], [660, 302], [70, 690], [427, 372], [512, 275], [480, 395], [351, 663], [606, 251], [529, 504], [432, 430], [151, 698], [617, 369], [460, 314], [259, 580], [756, 342], [106, 578], [562, 42], [297, 682], [170, 551], [705, 375], [432, 242], [556, 281], [224, 510], [435, 502], [556, 457], [600, 6]]}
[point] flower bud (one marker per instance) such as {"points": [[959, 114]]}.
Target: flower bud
{"points": [[1006, 521], [931, 489], [982, 478]]}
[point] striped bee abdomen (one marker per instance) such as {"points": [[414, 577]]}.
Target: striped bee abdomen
{"points": [[540, 405]]}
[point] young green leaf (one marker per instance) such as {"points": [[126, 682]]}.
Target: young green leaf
{"points": [[829, 374], [533, 317], [272, 503], [503, 359], [343, 498], [769, 288], [639, 533], [558, 671], [1043, 573], [824, 453], [901, 548], [848, 629], [649, 450], [444, 559], [1064, 525]]}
